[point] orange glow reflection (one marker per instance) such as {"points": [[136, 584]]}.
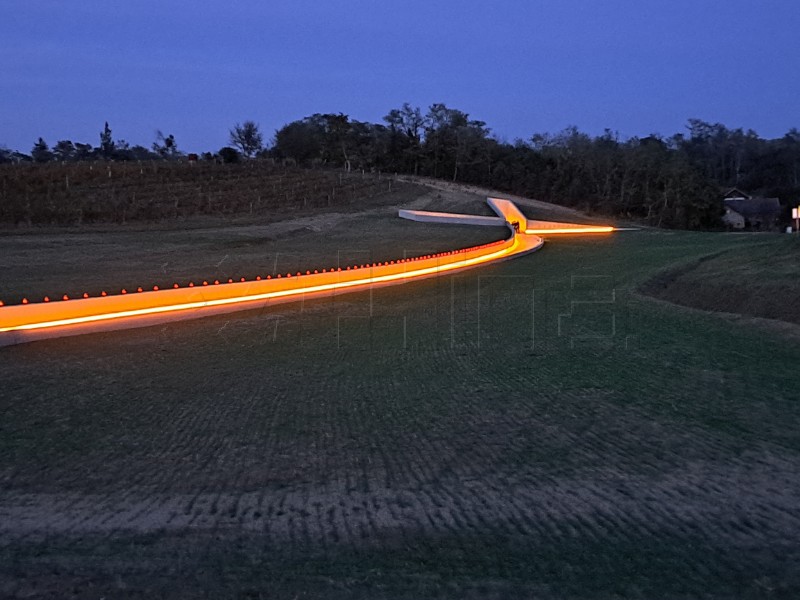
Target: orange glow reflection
{"points": [[352, 281], [350, 278], [546, 231]]}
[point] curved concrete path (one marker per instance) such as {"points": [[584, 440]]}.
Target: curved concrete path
{"points": [[34, 321]]}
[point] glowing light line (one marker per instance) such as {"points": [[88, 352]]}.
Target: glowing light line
{"points": [[467, 262], [546, 231], [45, 315]]}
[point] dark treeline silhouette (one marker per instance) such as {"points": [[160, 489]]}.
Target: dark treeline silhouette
{"points": [[668, 182], [672, 181], [165, 147], [108, 149]]}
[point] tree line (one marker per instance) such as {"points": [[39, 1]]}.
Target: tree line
{"points": [[246, 139], [671, 181]]}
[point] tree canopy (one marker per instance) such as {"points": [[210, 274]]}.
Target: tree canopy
{"points": [[672, 181], [247, 138]]}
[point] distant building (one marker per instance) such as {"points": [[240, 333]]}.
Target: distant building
{"points": [[743, 211]]}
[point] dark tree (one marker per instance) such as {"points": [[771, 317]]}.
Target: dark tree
{"points": [[107, 146], [229, 155], [406, 125], [139, 152], [165, 146], [337, 129], [41, 152], [247, 138], [64, 150], [83, 151], [301, 141]]}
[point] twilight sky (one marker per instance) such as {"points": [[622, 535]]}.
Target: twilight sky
{"points": [[193, 69]]}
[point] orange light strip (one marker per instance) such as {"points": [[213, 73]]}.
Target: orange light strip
{"points": [[546, 231], [47, 315], [351, 285]]}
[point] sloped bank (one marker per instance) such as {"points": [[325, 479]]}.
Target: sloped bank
{"points": [[761, 281]]}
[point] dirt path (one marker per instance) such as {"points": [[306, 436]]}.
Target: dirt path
{"points": [[459, 194]]}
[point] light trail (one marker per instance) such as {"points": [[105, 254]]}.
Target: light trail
{"points": [[66, 317], [310, 289], [548, 231]]}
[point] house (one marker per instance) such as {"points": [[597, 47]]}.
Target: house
{"points": [[743, 211]]}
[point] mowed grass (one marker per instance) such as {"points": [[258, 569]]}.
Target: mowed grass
{"points": [[531, 429], [758, 278]]}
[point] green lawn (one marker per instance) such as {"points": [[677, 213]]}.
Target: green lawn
{"points": [[531, 429], [758, 276]]}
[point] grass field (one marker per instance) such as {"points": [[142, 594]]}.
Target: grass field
{"points": [[537, 428], [758, 278]]}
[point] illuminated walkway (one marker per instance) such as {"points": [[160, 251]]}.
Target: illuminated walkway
{"points": [[31, 321]]}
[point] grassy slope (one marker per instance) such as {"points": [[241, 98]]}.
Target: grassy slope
{"points": [[424, 440], [758, 277], [74, 261]]}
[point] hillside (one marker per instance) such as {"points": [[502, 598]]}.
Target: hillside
{"points": [[534, 428], [104, 192], [756, 279]]}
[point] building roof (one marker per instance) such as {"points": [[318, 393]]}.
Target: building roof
{"points": [[754, 207], [735, 192]]}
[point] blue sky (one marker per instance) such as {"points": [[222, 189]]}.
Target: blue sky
{"points": [[193, 69]]}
